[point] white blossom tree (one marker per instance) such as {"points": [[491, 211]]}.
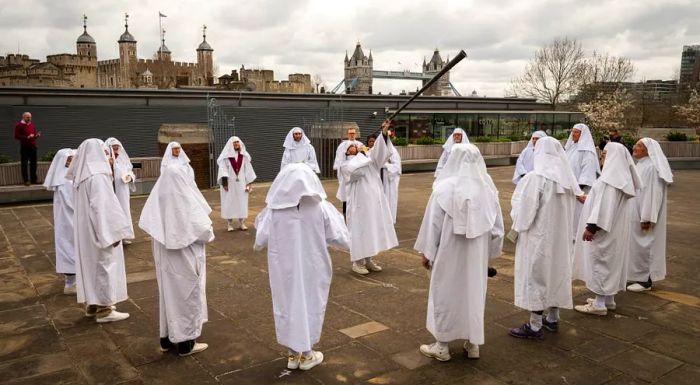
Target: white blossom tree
{"points": [[690, 112], [608, 110]]}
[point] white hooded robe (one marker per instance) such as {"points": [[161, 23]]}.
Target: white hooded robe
{"points": [[583, 160], [340, 158], [447, 147], [648, 247], [176, 216], [99, 222], [299, 152], [602, 262], [234, 202], [542, 213], [297, 226], [391, 172], [62, 211], [462, 228], [368, 214], [526, 159], [124, 177]]}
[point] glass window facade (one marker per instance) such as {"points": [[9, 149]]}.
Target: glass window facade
{"points": [[439, 125]]}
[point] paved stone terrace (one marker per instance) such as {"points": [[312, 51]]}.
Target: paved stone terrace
{"points": [[373, 326]]}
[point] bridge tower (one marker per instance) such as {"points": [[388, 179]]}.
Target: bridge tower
{"points": [[358, 72]]}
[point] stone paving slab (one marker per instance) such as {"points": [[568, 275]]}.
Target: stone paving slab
{"points": [[374, 324]]}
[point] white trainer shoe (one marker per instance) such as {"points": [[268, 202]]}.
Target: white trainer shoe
{"points": [[127, 241], [230, 227], [372, 266], [197, 348], [609, 306], [113, 316], [637, 288], [434, 351], [472, 350], [244, 227], [359, 269], [293, 361], [589, 308], [69, 290], [309, 362]]}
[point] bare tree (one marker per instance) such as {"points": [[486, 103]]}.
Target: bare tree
{"points": [[605, 68], [554, 74]]}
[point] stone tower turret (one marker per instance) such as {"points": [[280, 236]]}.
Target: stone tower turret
{"points": [[85, 45], [205, 60], [358, 72], [127, 55], [442, 86]]}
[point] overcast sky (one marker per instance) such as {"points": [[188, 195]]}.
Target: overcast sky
{"points": [[312, 36]]}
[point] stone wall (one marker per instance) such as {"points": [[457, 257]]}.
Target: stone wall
{"points": [[194, 139]]}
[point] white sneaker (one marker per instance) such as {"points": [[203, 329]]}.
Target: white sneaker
{"points": [[372, 266], [244, 227], [589, 308], [359, 269], [293, 361], [637, 288], [434, 351], [230, 226], [311, 361], [198, 347], [127, 241], [69, 290], [609, 306], [472, 350], [113, 316]]}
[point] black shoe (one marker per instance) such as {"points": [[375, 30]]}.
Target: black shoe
{"points": [[165, 344], [492, 272], [550, 326], [185, 347]]}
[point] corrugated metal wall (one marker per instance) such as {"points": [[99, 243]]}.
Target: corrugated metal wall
{"points": [[68, 116]]}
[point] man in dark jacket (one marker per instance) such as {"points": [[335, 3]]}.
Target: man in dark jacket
{"points": [[26, 133]]}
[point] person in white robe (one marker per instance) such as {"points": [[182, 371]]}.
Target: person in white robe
{"points": [[525, 162], [368, 214], [340, 156], [601, 259], [176, 216], [458, 136], [390, 175], [63, 216], [583, 160], [297, 227], [462, 228], [175, 155], [99, 226], [648, 243], [235, 178], [124, 177], [298, 149], [542, 212]]}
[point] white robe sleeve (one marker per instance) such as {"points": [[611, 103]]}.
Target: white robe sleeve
{"points": [[589, 169], [393, 165], [354, 169], [441, 162], [428, 240], [380, 153], [262, 229], [286, 158], [336, 231], [519, 168], [249, 173], [221, 173], [651, 199], [525, 203], [603, 206], [496, 236], [311, 159], [106, 215]]}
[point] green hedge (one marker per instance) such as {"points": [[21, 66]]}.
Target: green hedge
{"points": [[399, 141], [4, 158], [675, 136]]}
